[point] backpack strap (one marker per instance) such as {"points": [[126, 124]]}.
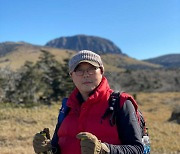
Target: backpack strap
{"points": [[113, 106], [64, 110]]}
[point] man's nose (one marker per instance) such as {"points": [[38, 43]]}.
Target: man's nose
{"points": [[86, 73]]}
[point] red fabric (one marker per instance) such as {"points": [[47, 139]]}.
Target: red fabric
{"points": [[125, 96], [87, 118]]}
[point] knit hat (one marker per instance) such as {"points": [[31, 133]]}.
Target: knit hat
{"points": [[85, 56]]}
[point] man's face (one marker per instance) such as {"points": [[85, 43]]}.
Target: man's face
{"points": [[86, 77]]}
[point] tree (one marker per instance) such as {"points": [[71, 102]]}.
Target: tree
{"points": [[45, 82], [67, 84], [54, 77]]}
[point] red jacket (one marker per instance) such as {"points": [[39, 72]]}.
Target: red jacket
{"points": [[87, 118]]}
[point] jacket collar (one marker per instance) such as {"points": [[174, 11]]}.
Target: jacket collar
{"points": [[99, 92]]}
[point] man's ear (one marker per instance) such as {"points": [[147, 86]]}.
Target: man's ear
{"points": [[102, 72], [70, 74]]}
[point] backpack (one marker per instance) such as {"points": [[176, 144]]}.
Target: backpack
{"points": [[114, 107], [116, 101]]}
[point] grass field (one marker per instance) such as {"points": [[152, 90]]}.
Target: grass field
{"points": [[18, 125]]}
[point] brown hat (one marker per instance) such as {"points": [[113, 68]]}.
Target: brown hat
{"points": [[85, 56]]}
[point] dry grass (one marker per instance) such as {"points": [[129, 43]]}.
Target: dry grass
{"points": [[157, 109], [18, 125]]}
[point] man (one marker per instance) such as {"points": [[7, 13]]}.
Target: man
{"points": [[83, 131]]}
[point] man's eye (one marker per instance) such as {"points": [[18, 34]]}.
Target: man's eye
{"points": [[93, 68]]}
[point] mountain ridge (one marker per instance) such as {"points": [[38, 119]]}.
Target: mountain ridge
{"points": [[81, 42], [168, 60]]}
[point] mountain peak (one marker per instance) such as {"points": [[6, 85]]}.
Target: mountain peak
{"points": [[82, 42]]}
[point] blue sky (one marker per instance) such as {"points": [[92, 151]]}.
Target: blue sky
{"points": [[140, 28]]}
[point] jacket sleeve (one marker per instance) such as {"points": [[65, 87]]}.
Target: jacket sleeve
{"points": [[128, 130]]}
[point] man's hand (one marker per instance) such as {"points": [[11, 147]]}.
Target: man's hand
{"points": [[41, 143], [91, 145]]}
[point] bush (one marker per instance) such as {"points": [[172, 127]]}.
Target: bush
{"points": [[175, 116]]}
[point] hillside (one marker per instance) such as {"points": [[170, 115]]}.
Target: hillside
{"points": [[125, 62], [80, 42], [168, 61], [19, 53], [15, 54], [8, 47]]}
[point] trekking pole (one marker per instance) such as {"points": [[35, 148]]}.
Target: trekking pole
{"points": [[46, 133]]}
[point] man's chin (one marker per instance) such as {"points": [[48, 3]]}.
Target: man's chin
{"points": [[88, 89]]}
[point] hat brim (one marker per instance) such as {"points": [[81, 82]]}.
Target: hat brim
{"points": [[85, 61]]}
